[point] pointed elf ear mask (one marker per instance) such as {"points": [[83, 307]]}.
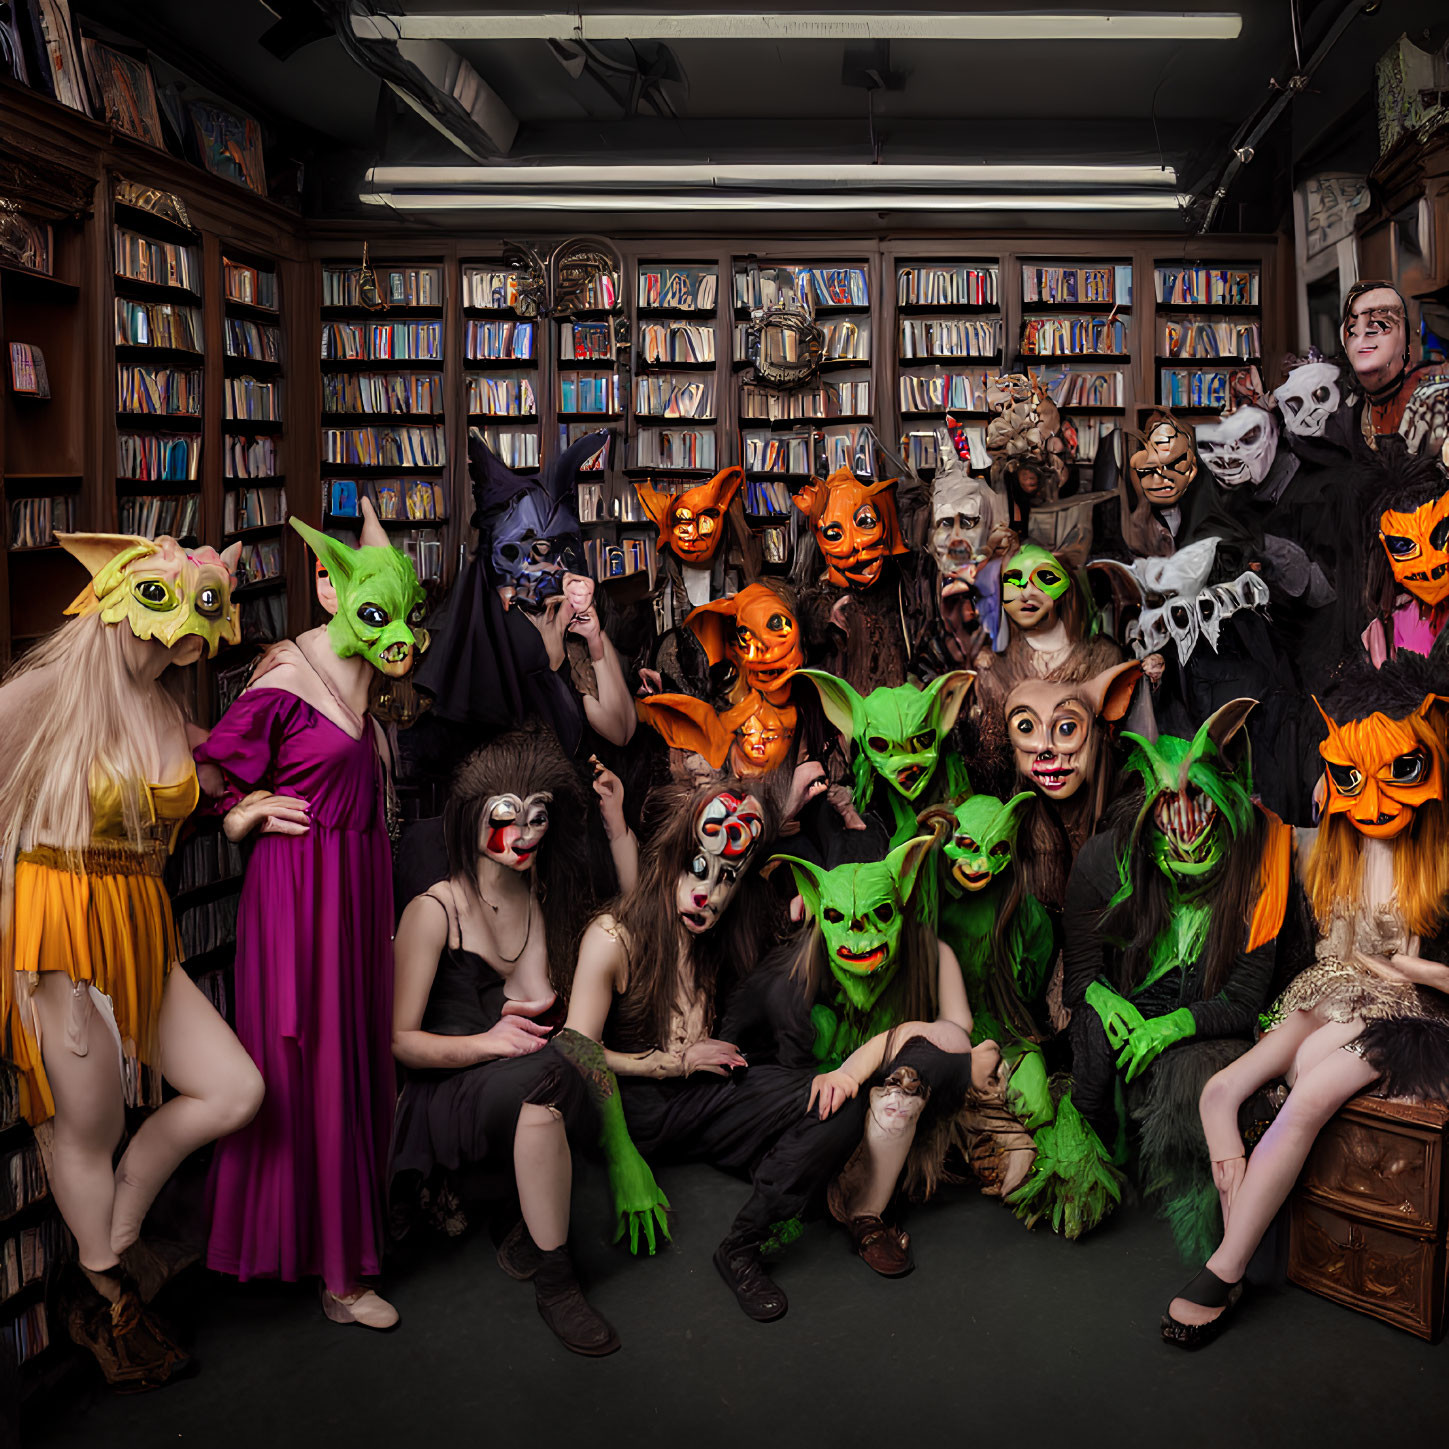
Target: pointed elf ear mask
{"points": [[1198, 792], [754, 736], [983, 839], [692, 523], [1054, 726], [159, 589], [379, 601], [898, 730], [1417, 544], [860, 909], [757, 632], [855, 525], [1380, 770]]}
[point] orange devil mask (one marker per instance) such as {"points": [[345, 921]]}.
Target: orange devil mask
{"points": [[692, 523], [757, 632], [855, 525], [1417, 544], [754, 735], [1380, 770]]}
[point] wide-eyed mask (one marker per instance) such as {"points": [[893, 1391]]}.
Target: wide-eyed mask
{"points": [[379, 602], [860, 909], [1417, 543], [983, 839], [753, 735], [727, 828], [1165, 465], [897, 730], [1239, 447], [855, 526], [1375, 333], [1032, 585], [757, 632], [692, 523], [157, 588], [1054, 726], [513, 828], [1308, 397], [1379, 770]]}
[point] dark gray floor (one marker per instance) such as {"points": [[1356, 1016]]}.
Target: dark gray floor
{"points": [[1001, 1334]]}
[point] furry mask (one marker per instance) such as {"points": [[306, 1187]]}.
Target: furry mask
{"points": [[691, 523], [1380, 769], [757, 632], [1053, 726], [855, 526]]}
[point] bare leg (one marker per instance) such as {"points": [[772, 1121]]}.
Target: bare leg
{"points": [[1327, 1079], [544, 1169], [220, 1090]]}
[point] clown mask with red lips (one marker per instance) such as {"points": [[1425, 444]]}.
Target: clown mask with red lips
{"points": [[727, 830], [513, 829]]}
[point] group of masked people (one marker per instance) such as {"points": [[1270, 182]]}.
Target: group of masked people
{"points": [[1066, 832]]}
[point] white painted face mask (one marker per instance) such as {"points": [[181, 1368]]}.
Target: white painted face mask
{"points": [[1309, 396], [1181, 607], [1240, 447]]}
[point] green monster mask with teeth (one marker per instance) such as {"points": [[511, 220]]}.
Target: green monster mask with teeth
{"points": [[983, 839], [379, 601], [860, 909]]}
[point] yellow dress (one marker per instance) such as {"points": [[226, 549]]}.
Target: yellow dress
{"points": [[102, 916]]}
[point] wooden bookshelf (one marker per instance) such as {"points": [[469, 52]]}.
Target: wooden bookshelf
{"points": [[1208, 322], [501, 364]]}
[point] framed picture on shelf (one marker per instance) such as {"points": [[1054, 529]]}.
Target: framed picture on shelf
{"points": [[230, 145], [124, 91]]}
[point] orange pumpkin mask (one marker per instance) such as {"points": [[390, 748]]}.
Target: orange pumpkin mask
{"points": [[757, 632], [1417, 544], [855, 525], [1380, 770], [754, 735], [692, 523]]}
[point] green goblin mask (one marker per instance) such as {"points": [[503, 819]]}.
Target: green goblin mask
{"points": [[1199, 796], [379, 601], [860, 909], [983, 839], [896, 732]]}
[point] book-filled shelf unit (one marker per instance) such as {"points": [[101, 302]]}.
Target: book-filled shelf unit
{"points": [[1209, 322], [384, 422], [501, 364], [590, 391]]}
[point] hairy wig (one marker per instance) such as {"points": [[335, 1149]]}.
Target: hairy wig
{"points": [[1401, 482], [526, 762]]}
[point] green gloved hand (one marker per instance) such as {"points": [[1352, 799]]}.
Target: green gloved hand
{"points": [[1152, 1038], [637, 1199], [1028, 1091], [1119, 1017]]}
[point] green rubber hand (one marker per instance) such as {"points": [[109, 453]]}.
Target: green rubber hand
{"points": [[638, 1201], [1119, 1017], [1152, 1038], [1072, 1183], [1028, 1090]]}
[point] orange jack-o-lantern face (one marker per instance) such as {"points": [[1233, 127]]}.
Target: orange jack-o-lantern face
{"points": [[692, 523], [1417, 544], [757, 632], [1380, 770], [764, 734], [855, 525], [1166, 463]]}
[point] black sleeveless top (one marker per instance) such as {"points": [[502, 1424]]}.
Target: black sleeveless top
{"points": [[467, 994]]}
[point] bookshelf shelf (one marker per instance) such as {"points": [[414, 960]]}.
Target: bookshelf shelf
{"points": [[21, 281]]}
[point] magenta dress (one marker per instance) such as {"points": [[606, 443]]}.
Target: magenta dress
{"points": [[298, 1192]]}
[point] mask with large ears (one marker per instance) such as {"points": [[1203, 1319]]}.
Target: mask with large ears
{"points": [[1380, 770], [692, 523], [1417, 543], [860, 909], [982, 838], [1055, 730], [855, 525], [757, 632], [1198, 792], [379, 601], [897, 731], [754, 735], [159, 589]]}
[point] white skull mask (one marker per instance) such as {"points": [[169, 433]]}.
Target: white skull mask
{"points": [[1308, 397], [1240, 447]]}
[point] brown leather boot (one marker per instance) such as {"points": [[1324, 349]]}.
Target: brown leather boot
{"points": [[562, 1305], [885, 1249], [518, 1255], [134, 1351]]}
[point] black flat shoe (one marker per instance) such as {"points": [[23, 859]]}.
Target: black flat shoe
{"points": [[1208, 1290], [755, 1291]]}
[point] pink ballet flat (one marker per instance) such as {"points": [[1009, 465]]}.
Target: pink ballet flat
{"points": [[364, 1307]]}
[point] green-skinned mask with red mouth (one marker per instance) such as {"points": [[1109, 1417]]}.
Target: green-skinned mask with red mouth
{"points": [[982, 841], [860, 909]]}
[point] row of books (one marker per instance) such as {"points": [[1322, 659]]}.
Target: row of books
{"points": [[28, 376], [202, 859], [1073, 336], [423, 546], [812, 287], [1212, 286], [28, 1333], [827, 398], [1090, 432], [208, 926], [243, 457], [586, 341], [253, 508], [149, 457], [404, 340], [1104, 282], [1209, 339], [920, 448], [149, 516], [259, 561], [676, 342], [961, 391], [22, 1179], [514, 448], [417, 446], [420, 499], [34, 522], [764, 454], [382, 392], [508, 395], [678, 289], [846, 447], [251, 398], [249, 284], [491, 288], [1073, 388], [158, 391], [158, 324], [675, 448], [950, 336], [585, 393], [618, 560], [398, 286], [1182, 388], [671, 395], [25, 1256], [775, 543], [253, 340], [163, 264], [501, 341], [846, 340], [767, 496], [29, 243], [923, 286]]}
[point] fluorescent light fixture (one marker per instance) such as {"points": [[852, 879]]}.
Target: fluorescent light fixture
{"points": [[823, 25], [802, 176], [775, 201]]}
